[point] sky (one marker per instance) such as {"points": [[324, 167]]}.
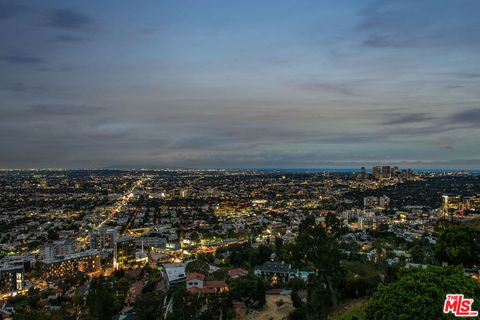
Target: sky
{"points": [[225, 84]]}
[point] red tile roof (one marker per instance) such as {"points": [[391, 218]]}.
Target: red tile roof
{"points": [[201, 290], [237, 272], [215, 284], [196, 276]]}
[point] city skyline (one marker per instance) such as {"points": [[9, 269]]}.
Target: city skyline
{"points": [[276, 84]]}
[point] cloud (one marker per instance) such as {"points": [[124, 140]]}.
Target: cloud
{"points": [[377, 41], [410, 24], [69, 38], [148, 31], [9, 9], [324, 86], [469, 117], [465, 75], [22, 87], [59, 110], [190, 96], [461, 120], [407, 118], [20, 58], [68, 19], [382, 41]]}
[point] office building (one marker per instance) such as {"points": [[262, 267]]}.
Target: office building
{"points": [[386, 172], [82, 262], [377, 172], [11, 278], [103, 238], [363, 173], [124, 252]]}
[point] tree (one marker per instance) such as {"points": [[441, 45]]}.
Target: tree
{"points": [[53, 234], [184, 304], [100, 299], [148, 305], [207, 257], [31, 315], [246, 256], [199, 266], [220, 274], [317, 247], [194, 236], [219, 307], [298, 314], [421, 251], [361, 278], [420, 294], [459, 245], [120, 292], [296, 284], [262, 254], [260, 293], [250, 290], [320, 299], [241, 255], [121, 286], [296, 300], [278, 246]]}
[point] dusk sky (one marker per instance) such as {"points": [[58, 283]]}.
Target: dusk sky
{"points": [[225, 83]]}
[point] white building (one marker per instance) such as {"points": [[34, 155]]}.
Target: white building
{"points": [[58, 248]]}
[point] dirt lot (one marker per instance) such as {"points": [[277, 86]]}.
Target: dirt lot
{"points": [[271, 311]]}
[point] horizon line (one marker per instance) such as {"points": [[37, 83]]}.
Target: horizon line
{"points": [[349, 169]]}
